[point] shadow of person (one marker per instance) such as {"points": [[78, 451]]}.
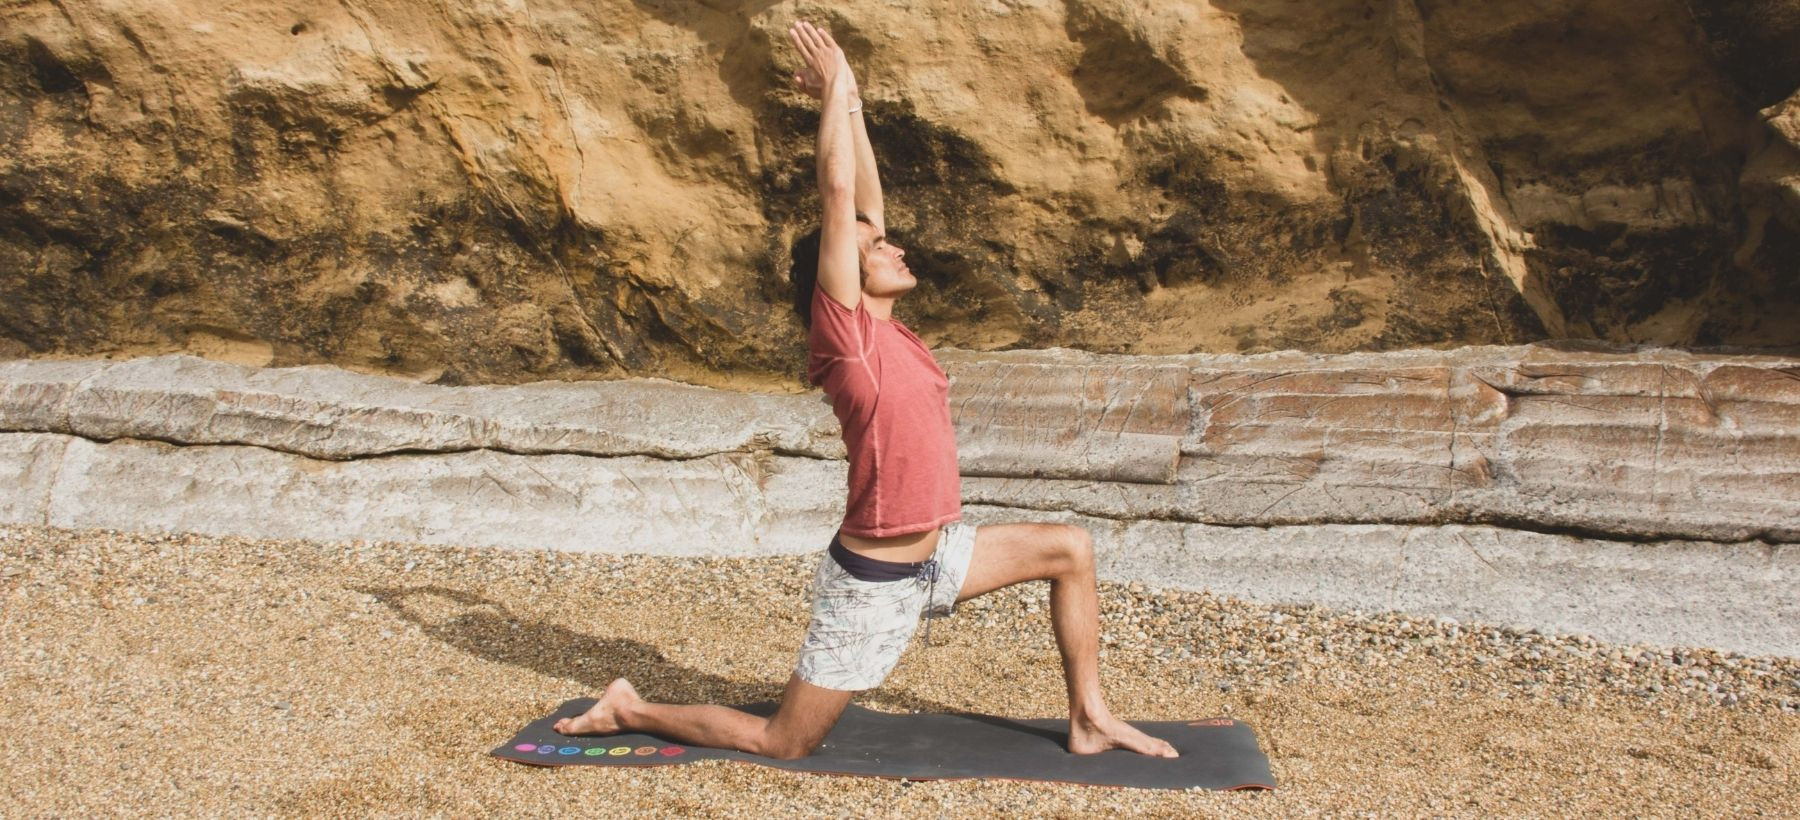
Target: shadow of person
{"points": [[488, 629], [1059, 738]]}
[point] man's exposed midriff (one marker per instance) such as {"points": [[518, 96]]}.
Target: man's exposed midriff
{"points": [[909, 548]]}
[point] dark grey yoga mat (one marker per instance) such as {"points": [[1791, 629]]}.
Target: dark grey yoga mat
{"points": [[1216, 753]]}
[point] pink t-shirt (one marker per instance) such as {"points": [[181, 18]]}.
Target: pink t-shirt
{"points": [[893, 402]]}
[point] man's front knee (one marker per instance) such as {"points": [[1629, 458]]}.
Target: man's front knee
{"points": [[1078, 548]]}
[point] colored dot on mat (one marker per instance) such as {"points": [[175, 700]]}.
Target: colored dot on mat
{"points": [[646, 750], [569, 750], [545, 749], [619, 750], [597, 750], [671, 751], [525, 747]]}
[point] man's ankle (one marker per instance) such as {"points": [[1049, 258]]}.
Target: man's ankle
{"points": [[626, 714], [1091, 712]]}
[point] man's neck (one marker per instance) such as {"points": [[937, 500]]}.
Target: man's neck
{"points": [[880, 307]]}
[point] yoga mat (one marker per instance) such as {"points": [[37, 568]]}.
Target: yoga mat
{"points": [[1216, 753]]}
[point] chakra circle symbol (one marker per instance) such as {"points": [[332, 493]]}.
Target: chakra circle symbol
{"points": [[597, 750], [646, 750], [569, 750], [671, 751], [525, 747], [545, 749], [619, 750]]}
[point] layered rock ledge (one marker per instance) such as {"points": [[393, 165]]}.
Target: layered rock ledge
{"points": [[1638, 494]]}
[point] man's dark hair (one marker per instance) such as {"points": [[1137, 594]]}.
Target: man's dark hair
{"points": [[804, 272]]}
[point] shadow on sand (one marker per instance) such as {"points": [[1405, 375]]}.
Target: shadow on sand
{"points": [[488, 629]]}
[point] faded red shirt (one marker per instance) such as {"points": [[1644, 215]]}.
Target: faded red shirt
{"points": [[893, 402]]}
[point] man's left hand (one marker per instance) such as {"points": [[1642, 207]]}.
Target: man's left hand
{"points": [[812, 85]]}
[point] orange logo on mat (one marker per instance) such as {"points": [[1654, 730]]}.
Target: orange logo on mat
{"points": [[1214, 722]]}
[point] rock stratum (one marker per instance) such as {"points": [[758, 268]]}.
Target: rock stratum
{"points": [[1639, 445], [1641, 495], [507, 191]]}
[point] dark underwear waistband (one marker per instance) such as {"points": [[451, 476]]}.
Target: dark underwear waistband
{"points": [[864, 568]]}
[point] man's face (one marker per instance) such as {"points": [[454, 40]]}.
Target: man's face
{"points": [[883, 274]]}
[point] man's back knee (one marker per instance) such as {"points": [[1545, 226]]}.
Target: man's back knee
{"points": [[785, 748]]}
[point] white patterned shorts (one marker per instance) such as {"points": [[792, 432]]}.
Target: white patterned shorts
{"points": [[859, 628]]}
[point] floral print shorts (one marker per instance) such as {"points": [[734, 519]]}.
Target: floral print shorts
{"points": [[859, 628]]}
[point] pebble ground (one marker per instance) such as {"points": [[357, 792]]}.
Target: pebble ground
{"points": [[191, 675]]}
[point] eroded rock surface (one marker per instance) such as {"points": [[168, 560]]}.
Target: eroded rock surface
{"points": [[1639, 495], [716, 505], [1632, 445], [531, 189], [1638, 445], [327, 413]]}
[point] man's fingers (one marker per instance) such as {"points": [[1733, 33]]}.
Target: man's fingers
{"points": [[808, 50], [828, 46], [800, 43], [816, 45], [820, 40]]}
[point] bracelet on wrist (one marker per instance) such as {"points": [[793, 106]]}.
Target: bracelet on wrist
{"points": [[857, 108]]}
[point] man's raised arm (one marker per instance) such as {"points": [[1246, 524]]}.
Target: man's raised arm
{"points": [[868, 180], [839, 269]]}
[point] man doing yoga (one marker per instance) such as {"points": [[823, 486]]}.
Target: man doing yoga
{"points": [[902, 548]]}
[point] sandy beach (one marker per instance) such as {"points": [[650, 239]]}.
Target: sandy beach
{"points": [[188, 675]]}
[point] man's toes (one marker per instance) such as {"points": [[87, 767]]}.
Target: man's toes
{"points": [[1154, 746]]}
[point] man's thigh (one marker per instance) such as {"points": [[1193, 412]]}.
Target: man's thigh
{"points": [[1006, 554]]}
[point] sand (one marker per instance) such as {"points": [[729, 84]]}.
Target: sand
{"points": [[189, 675]]}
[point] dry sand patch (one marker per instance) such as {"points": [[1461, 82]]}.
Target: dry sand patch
{"points": [[195, 675]]}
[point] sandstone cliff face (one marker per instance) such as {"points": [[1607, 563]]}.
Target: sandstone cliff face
{"points": [[1646, 495], [508, 190]]}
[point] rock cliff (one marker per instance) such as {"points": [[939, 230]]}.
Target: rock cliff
{"points": [[1645, 494], [513, 190]]}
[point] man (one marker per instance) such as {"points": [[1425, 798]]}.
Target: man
{"points": [[902, 548]]}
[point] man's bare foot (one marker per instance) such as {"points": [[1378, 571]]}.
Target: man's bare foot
{"points": [[1088, 737], [603, 718]]}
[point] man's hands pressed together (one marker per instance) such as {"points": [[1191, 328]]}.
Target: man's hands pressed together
{"points": [[825, 62], [848, 181]]}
